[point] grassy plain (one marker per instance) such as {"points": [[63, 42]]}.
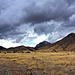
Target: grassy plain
{"points": [[37, 63]]}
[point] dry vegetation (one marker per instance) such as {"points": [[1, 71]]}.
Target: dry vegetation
{"points": [[37, 63]]}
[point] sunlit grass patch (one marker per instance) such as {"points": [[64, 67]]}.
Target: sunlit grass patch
{"points": [[47, 63]]}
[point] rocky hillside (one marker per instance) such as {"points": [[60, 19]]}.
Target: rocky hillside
{"points": [[2, 48], [42, 44], [20, 48], [65, 44]]}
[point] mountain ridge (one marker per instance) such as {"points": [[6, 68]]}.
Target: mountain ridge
{"points": [[2, 48], [65, 44], [42, 44]]}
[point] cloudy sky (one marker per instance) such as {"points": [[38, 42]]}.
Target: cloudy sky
{"points": [[28, 22]]}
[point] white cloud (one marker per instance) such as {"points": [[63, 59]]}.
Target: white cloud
{"points": [[41, 38], [8, 43]]}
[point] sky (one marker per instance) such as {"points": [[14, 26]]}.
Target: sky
{"points": [[28, 22]]}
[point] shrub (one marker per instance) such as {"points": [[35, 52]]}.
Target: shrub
{"points": [[27, 52], [14, 51]]}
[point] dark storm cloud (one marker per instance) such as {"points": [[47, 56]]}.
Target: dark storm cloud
{"points": [[70, 1], [43, 17], [47, 10]]}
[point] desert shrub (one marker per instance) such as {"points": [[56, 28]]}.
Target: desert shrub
{"points": [[22, 52], [4, 52], [8, 52], [31, 73], [67, 53], [14, 51], [28, 52]]}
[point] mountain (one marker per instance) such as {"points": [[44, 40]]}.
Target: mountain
{"points": [[42, 44], [2, 48], [65, 44], [20, 48]]}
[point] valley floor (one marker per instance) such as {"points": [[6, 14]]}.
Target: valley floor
{"points": [[37, 63]]}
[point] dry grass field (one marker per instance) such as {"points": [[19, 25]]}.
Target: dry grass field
{"points": [[37, 63]]}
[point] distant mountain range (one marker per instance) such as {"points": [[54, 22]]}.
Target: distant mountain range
{"points": [[20, 48], [65, 44]]}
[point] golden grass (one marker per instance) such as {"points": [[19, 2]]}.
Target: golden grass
{"points": [[50, 63]]}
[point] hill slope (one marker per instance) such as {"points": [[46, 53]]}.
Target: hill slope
{"points": [[42, 44], [20, 48], [2, 48], [65, 44]]}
